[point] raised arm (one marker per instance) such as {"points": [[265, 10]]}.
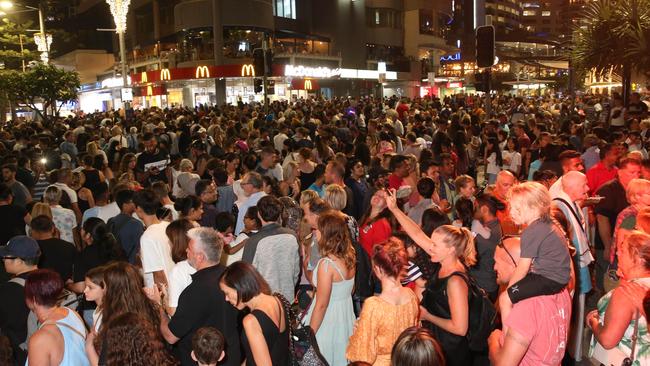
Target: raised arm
{"points": [[409, 226]]}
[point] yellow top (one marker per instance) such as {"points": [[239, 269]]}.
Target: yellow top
{"points": [[378, 327]]}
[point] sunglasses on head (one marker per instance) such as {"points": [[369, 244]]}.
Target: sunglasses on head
{"points": [[500, 245], [9, 257]]}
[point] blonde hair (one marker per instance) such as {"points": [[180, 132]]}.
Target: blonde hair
{"points": [[635, 188], [41, 208], [186, 164], [289, 170], [462, 181], [92, 148], [307, 196], [638, 246], [529, 201], [335, 237], [461, 240], [335, 195]]}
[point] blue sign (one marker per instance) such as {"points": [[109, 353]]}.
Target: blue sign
{"points": [[453, 57]]}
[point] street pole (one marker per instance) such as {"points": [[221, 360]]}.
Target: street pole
{"points": [[264, 78], [41, 24], [123, 58]]}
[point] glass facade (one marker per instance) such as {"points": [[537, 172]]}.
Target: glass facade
{"points": [[285, 9]]}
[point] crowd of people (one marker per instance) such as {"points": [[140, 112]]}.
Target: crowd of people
{"points": [[395, 231]]}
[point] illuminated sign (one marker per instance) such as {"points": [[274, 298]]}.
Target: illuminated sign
{"points": [[308, 85], [312, 72], [452, 85], [202, 72], [114, 82], [247, 70], [454, 57], [165, 74], [143, 77], [149, 90]]}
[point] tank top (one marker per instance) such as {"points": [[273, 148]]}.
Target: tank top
{"points": [[74, 339], [92, 178], [277, 343]]}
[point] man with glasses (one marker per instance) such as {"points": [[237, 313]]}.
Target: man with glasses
{"points": [[20, 257], [536, 328], [252, 186]]}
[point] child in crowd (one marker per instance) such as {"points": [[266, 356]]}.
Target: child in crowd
{"points": [[94, 291], [413, 278], [207, 346], [545, 264], [252, 224]]}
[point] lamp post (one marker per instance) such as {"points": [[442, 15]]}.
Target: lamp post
{"points": [[119, 10], [45, 39]]}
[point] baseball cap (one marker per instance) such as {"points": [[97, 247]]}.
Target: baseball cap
{"points": [[21, 246]]}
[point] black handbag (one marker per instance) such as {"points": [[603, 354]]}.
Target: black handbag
{"points": [[302, 340]]}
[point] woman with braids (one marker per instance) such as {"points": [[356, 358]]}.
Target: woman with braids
{"points": [[144, 346], [331, 314], [445, 304], [123, 293]]}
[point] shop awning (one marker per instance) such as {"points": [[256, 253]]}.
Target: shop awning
{"points": [[305, 84]]}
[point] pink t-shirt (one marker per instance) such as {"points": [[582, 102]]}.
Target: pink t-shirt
{"points": [[544, 322]]}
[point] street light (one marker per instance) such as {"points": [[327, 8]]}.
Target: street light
{"points": [[119, 10], [44, 46]]}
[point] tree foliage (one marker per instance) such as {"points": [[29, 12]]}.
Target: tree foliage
{"points": [[11, 52], [42, 84], [613, 34]]}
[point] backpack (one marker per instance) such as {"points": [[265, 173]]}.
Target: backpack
{"points": [[482, 314], [364, 280]]}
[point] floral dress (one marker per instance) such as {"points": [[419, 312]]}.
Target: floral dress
{"points": [[642, 350]]}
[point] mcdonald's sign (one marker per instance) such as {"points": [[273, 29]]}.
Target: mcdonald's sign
{"points": [[149, 90], [248, 70], [165, 74], [143, 77], [202, 72], [308, 85]]}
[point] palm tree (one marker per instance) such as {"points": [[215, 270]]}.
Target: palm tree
{"points": [[613, 34]]}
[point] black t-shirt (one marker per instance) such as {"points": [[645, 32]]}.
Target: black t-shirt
{"points": [[89, 258], [13, 315], [13, 222], [57, 255], [202, 304], [614, 202], [157, 157]]}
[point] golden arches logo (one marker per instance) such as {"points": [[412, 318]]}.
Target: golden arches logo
{"points": [[308, 85], [143, 77], [248, 70], [202, 72], [149, 90], [165, 74]]}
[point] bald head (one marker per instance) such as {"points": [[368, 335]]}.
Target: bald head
{"points": [[574, 184], [506, 258]]}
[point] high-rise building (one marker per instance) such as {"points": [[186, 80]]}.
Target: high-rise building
{"points": [[199, 51]]}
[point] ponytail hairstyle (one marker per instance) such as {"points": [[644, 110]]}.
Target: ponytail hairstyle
{"points": [[462, 241], [109, 249], [464, 208]]}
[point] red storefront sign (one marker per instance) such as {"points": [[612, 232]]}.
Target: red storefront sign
{"points": [[199, 72], [305, 84]]}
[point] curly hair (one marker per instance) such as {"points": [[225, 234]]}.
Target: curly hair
{"points": [[132, 340], [390, 257], [335, 237], [124, 293]]}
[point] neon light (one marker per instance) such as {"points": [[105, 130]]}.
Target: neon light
{"points": [[247, 70], [454, 57], [202, 72]]}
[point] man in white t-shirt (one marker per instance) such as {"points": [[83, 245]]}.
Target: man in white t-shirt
{"points": [[63, 177], [155, 248]]}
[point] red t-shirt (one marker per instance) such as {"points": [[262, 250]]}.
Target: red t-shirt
{"points": [[599, 175], [394, 181], [544, 322], [374, 233]]}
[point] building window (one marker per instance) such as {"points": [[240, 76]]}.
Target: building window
{"points": [[530, 13], [546, 13], [285, 9], [383, 18]]}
